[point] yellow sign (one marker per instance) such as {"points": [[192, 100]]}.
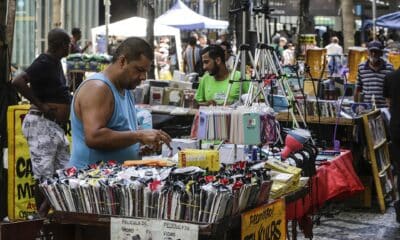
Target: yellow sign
{"points": [[267, 222], [21, 201]]}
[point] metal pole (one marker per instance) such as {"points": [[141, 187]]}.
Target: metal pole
{"points": [[62, 14], [373, 19], [243, 56], [107, 4]]}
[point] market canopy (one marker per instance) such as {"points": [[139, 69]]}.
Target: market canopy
{"points": [[184, 18], [136, 27], [391, 20]]}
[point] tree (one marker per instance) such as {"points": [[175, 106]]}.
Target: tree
{"points": [[7, 94], [150, 31], [306, 22], [347, 7]]}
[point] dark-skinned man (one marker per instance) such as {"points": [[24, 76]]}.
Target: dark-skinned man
{"points": [[43, 83], [214, 84], [103, 114]]}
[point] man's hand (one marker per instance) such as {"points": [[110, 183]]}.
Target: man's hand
{"points": [[154, 137]]}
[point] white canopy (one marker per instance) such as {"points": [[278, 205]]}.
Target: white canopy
{"points": [[182, 17], [136, 27]]}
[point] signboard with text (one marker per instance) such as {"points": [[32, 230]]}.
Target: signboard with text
{"points": [[131, 228], [20, 194], [21, 201], [267, 222]]}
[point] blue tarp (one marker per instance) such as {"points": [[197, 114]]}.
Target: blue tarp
{"points": [[391, 20]]}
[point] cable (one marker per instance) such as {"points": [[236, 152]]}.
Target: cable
{"points": [[340, 107]]}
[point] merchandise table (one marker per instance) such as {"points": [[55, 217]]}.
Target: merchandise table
{"points": [[68, 225], [335, 178]]}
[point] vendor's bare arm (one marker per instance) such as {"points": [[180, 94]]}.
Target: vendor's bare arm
{"points": [[94, 106]]}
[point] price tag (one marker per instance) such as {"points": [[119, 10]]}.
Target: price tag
{"points": [[131, 228]]}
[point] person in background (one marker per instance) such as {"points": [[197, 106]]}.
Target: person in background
{"points": [[43, 83], [75, 79], [281, 47], [370, 77], [76, 37], [326, 36], [317, 33], [222, 37], [213, 85], [203, 42], [335, 53], [229, 57], [103, 115], [288, 55], [191, 57], [391, 92]]}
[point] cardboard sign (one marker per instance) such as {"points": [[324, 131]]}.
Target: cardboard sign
{"points": [[265, 222], [21, 202], [130, 228]]}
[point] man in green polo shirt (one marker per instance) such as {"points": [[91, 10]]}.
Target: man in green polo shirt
{"points": [[214, 84]]}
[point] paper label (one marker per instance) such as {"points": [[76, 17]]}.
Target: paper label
{"points": [[130, 228]]}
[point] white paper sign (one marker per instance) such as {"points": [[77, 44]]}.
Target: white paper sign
{"points": [[145, 229]]}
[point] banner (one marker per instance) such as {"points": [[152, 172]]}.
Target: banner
{"points": [[267, 222], [21, 201], [147, 229]]}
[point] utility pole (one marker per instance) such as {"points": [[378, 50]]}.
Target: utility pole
{"points": [[347, 7], [107, 4]]}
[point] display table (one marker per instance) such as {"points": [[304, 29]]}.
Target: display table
{"points": [[67, 225], [334, 179], [286, 117]]}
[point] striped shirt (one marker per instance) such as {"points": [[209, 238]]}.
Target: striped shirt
{"points": [[191, 57], [371, 82]]}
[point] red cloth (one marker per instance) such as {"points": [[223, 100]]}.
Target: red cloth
{"points": [[334, 179]]}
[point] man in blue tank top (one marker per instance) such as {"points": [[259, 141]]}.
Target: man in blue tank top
{"points": [[103, 115]]}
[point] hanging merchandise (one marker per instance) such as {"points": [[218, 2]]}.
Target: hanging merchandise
{"points": [[244, 125]]}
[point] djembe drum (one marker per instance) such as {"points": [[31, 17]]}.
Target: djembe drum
{"points": [[357, 55], [316, 61], [394, 59]]}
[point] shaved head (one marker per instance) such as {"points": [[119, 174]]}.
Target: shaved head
{"points": [[57, 38]]}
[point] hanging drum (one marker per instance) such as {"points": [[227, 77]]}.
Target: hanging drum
{"points": [[394, 59], [316, 60], [357, 55]]}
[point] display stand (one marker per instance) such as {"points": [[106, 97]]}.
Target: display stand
{"points": [[67, 225], [379, 156]]}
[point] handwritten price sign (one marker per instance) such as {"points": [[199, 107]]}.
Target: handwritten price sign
{"points": [[267, 222]]}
